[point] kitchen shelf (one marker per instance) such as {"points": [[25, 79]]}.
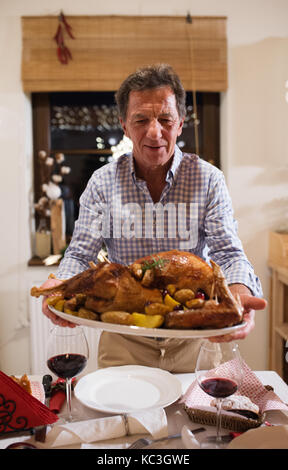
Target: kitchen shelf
{"points": [[278, 318], [282, 330], [36, 261]]}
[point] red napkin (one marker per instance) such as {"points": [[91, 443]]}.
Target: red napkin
{"points": [[58, 397], [19, 410]]}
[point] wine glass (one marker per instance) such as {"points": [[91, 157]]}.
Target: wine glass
{"points": [[219, 373], [67, 353]]}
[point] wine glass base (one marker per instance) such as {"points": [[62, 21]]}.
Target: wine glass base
{"points": [[212, 442], [65, 419]]}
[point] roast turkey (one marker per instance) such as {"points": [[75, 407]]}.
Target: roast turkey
{"points": [[115, 287]]}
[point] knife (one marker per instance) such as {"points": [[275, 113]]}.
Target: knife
{"points": [[40, 431]]}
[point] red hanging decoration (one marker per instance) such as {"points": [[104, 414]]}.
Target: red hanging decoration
{"points": [[63, 53]]}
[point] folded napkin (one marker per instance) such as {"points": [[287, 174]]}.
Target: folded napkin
{"points": [[94, 430], [58, 396], [264, 437], [188, 439], [19, 410], [56, 401], [251, 387], [270, 437], [196, 399]]}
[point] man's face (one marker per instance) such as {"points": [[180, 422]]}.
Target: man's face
{"points": [[153, 125]]}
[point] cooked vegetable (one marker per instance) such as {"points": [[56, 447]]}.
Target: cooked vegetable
{"points": [[170, 302], [85, 313], [156, 308], [183, 295], [195, 303], [122, 318], [53, 299], [60, 305], [147, 321]]}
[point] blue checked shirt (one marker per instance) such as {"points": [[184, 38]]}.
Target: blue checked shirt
{"points": [[194, 214]]}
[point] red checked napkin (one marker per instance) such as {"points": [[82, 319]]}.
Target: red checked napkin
{"points": [[19, 410], [251, 387]]}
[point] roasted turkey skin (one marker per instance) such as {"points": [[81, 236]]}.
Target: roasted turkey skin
{"points": [[107, 286], [183, 269]]}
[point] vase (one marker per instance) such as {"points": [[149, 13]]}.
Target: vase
{"points": [[42, 240], [58, 226]]}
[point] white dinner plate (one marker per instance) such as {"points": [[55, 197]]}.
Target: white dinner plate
{"points": [[151, 332], [128, 389]]}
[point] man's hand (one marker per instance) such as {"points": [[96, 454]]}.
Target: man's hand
{"points": [[45, 309], [250, 304]]}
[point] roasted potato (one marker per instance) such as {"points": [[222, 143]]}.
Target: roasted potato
{"points": [[195, 303], [171, 289], [156, 308], [85, 313], [118, 317], [53, 299], [183, 295], [59, 305], [70, 312]]}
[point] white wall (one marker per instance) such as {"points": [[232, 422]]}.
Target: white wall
{"points": [[254, 145]]}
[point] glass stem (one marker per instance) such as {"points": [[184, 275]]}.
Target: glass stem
{"points": [[218, 419], [69, 399]]}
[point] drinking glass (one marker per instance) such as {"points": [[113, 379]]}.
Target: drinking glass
{"points": [[67, 353], [219, 373]]}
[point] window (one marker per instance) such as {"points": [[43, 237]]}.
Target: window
{"points": [[84, 126]]}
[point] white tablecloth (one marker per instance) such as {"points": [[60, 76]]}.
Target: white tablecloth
{"points": [[176, 416]]}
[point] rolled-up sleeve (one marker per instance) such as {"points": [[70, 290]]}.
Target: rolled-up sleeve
{"points": [[224, 245]]}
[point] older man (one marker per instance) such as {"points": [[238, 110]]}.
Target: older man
{"points": [[151, 104]]}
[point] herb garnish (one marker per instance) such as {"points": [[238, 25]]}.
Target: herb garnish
{"points": [[156, 262]]}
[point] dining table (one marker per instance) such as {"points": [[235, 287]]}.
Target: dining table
{"points": [[175, 414]]}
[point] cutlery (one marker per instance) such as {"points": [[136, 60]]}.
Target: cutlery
{"points": [[40, 431], [144, 441]]}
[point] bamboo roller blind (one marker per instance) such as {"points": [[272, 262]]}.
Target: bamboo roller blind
{"points": [[108, 48]]}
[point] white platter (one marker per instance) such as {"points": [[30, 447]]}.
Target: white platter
{"points": [[151, 332], [128, 389]]}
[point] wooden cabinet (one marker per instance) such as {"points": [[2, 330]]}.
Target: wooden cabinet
{"points": [[279, 320], [278, 263]]}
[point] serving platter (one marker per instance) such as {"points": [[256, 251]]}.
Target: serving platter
{"points": [[151, 332], [128, 389]]}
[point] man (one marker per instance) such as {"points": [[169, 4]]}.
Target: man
{"points": [[151, 105]]}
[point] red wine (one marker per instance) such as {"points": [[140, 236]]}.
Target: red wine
{"points": [[218, 387], [67, 366]]}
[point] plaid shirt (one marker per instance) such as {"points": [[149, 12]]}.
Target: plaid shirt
{"points": [[114, 208]]}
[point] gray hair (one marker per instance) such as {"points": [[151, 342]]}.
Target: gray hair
{"points": [[152, 76]]}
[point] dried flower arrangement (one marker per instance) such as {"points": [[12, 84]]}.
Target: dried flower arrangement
{"points": [[52, 171]]}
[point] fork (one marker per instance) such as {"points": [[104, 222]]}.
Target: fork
{"points": [[144, 441]]}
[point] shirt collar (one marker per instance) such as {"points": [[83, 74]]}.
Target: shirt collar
{"points": [[178, 155], [171, 174]]}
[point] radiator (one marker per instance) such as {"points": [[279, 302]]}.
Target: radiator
{"points": [[40, 327]]}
